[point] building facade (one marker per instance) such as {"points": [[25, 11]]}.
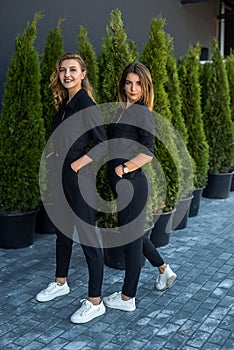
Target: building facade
{"points": [[188, 22]]}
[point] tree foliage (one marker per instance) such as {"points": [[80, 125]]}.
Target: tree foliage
{"points": [[21, 127], [86, 51], [155, 55], [52, 51], [230, 74], [189, 68], [217, 114], [172, 87], [115, 55]]}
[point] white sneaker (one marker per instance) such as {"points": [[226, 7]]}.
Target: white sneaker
{"points": [[165, 279], [53, 291], [115, 301], [87, 312]]}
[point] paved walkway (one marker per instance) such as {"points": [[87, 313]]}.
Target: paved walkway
{"points": [[196, 313]]}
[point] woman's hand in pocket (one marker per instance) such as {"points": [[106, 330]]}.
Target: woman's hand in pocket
{"points": [[75, 167], [119, 171]]}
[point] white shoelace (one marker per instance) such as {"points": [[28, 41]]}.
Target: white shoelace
{"points": [[85, 306], [51, 286]]}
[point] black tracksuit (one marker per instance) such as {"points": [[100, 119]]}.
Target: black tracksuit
{"points": [[91, 131], [131, 133]]}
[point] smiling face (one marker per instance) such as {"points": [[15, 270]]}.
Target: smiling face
{"points": [[71, 75], [133, 88]]}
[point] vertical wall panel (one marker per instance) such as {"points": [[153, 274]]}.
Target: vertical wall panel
{"points": [[188, 23]]}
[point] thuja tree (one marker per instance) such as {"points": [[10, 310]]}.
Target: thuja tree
{"points": [[21, 127], [230, 74], [86, 51], [217, 114], [52, 51], [172, 87], [189, 68], [203, 74], [115, 55], [133, 49], [154, 55], [173, 90]]}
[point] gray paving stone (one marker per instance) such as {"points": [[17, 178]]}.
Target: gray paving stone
{"points": [[196, 313], [200, 315], [7, 338], [56, 344], [27, 338], [100, 339], [124, 337], [219, 336], [210, 303], [134, 344], [11, 346], [33, 346], [112, 346], [219, 312], [53, 333], [209, 325], [228, 345], [80, 343], [198, 339]]}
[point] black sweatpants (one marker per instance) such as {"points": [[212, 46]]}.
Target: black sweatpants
{"points": [[84, 220], [151, 253], [133, 189]]}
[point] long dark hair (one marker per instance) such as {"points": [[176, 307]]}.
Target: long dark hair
{"points": [[146, 83]]}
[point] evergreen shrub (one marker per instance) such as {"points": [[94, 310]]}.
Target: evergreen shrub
{"points": [[217, 114], [22, 134], [53, 49], [155, 56], [86, 51], [189, 70]]}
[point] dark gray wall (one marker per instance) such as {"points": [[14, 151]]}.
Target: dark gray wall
{"points": [[186, 23]]}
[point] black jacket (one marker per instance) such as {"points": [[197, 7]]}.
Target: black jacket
{"points": [[81, 129]]}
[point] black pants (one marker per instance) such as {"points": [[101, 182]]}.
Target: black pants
{"points": [[131, 220], [84, 220], [94, 259], [151, 253]]}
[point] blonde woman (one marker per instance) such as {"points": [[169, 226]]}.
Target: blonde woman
{"points": [[73, 93]]}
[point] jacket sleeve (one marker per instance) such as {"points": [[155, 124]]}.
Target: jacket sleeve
{"points": [[147, 132], [96, 134]]}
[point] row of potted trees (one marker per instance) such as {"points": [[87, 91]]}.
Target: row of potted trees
{"points": [[193, 113]]}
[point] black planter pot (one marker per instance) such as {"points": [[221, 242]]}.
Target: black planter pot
{"points": [[160, 234], [115, 257], [43, 222], [17, 230], [195, 202], [218, 186], [181, 215], [232, 182]]}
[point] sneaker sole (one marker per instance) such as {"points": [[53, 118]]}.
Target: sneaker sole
{"points": [[87, 318], [169, 283], [118, 307], [51, 298]]}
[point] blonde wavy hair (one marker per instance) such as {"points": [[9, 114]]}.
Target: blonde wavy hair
{"points": [[146, 83], [58, 91]]}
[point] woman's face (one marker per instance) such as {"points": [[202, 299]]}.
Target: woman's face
{"points": [[133, 88], [71, 75]]}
